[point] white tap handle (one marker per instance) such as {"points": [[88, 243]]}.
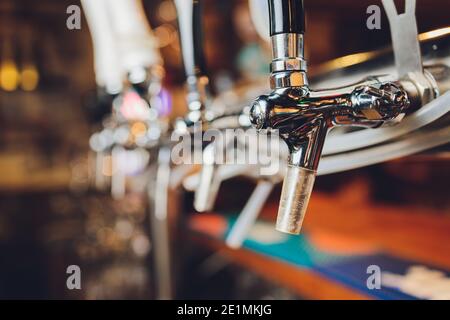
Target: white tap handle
{"points": [[137, 44], [259, 12], [108, 69], [185, 20]]}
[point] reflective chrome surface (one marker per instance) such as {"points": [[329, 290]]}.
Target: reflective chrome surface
{"points": [[288, 66], [303, 117], [297, 189]]}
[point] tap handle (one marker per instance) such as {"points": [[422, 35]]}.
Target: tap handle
{"points": [[191, 37], [138, 46], [286, 16], [109, 73]]}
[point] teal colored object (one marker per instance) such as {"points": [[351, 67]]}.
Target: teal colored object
{"points": [[293, 249], [252, 61]]}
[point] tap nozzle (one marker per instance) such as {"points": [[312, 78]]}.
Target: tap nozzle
{"points": [[297, 188]]}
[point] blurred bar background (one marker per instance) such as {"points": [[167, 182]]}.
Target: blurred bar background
{"points": [[50, 216]]}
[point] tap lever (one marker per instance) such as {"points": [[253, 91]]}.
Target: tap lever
{"points": [[190, 29], [189, 20], [404, 36]]}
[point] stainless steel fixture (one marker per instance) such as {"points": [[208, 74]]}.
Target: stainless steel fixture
{"points": [[303, 116], [201, 116]]}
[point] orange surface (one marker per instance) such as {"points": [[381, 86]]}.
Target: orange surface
{"points": [[409, 232]]}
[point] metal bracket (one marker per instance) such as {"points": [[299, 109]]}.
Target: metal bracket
{"points": [[404, 36]]}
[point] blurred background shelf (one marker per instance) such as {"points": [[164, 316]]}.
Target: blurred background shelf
{"points": [[305, 283]]}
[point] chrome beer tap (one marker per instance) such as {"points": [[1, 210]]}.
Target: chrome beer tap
{"points": [[200, 116], [303, 116], [134, 135], [197, 81], [129, 67], [207, 182]]}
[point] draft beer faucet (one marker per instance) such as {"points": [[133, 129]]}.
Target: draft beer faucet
{"points": [[128, 67], [198, 87], [200, 116], [303, 116]]}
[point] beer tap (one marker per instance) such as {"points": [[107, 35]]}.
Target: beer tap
{"points": [[208, 180], [109, 80], [137, 126], [197, 80], [302, 117], [128, 67], [200, 116]]}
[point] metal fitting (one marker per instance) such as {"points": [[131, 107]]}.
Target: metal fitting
{"points": [[288, 65]]}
